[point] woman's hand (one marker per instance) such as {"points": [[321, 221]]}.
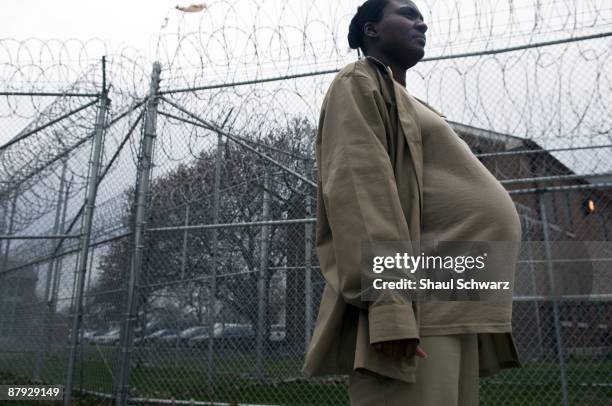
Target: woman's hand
{"points": [[400, 348]]}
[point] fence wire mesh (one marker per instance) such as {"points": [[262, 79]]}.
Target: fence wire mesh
{"points": [[157, 231]]}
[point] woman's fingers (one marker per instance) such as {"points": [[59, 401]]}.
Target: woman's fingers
{"points": [[420, 352]]}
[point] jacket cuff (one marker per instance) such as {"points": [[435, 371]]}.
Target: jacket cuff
{"points": [[390, 322]]}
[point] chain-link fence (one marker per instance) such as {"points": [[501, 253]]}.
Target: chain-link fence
{"points": [[158, 240]]}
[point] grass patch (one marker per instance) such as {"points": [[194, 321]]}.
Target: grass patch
{"points": [[183, 374]]}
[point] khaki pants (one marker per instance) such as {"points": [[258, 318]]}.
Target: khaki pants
{"points": [[447, 377]]}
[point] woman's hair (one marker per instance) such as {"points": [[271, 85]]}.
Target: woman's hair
{"points": [[370, 11]]}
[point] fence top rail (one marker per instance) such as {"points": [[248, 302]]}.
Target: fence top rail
{"points": [[548, 189], [39, 237], [50, 94], [539, 151], [430, 59], [599, 297], [234, 225]]}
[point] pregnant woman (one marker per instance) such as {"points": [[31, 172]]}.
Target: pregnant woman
{"points": [[390, 168]]}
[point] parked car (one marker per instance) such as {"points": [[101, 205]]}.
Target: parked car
{"points": [[170, 340], [179, 337], [89, 336], [156, 337], [110, 338], [182, 338], [201, 339], [231, 335], [236, 337], [85, 336], [227, 335]]}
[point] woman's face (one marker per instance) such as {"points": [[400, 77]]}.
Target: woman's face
{"points": [[400, 34]]}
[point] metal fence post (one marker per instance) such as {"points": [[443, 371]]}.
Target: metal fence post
{"points": [[214, 264], [308, 230], [142, 195], [549, 269], [92, 189], [11, 225], [532, 271], [262, 294], [3, 207], [185, 237], [183, 266], [7, 247], [57, 273], [91, 262], [42, 352]]}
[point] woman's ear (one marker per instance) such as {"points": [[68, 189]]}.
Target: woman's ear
{"points": [[370, 30]]}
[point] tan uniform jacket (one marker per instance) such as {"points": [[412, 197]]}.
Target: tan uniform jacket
{"points": [[370, 177]]}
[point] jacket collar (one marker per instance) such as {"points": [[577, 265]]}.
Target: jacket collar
{"points": [[380, 64], [388, 70]]}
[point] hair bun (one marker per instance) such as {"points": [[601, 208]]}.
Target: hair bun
{"points": [[354, 41], [354, 36], [370, 10]]}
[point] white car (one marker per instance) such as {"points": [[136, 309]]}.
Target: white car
{"points": [[90, 336], [112, 337]]}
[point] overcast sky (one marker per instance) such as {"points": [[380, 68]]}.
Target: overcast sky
{"points": [[131, 22], [135, 22]]}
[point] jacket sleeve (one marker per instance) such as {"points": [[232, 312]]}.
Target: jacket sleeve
{"points": [[361, 198]]}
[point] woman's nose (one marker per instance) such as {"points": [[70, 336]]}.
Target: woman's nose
{"points": [[421, 26]]}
